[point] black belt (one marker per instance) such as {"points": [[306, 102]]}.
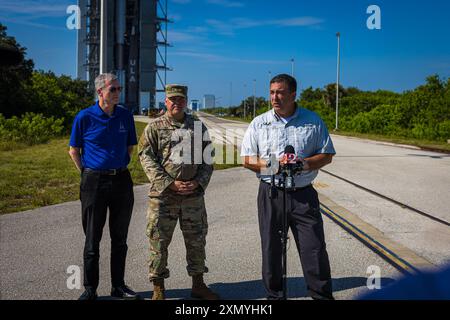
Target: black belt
{"points": [[109, 172], [290, 190]]}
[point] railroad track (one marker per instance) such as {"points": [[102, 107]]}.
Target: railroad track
{"points": [[401, 204], [383, 250]]}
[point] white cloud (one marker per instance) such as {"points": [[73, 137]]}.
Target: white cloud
{"points": [[226, 3], [33, 9], [299, 21], [221, 27], [219, 58], [183, 37], [229, 27], [33, 13], [181, 1], [26, 22]]}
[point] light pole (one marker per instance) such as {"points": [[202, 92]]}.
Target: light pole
{"points": [[270, 78], [338, 35], [231, 93], [245, 99], [292, 67], [254, 98]]}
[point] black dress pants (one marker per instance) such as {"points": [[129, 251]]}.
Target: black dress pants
{"points": [[305, 220], [98, 192]]}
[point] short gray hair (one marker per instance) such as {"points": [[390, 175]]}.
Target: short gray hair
{"points": [[101, 80]]}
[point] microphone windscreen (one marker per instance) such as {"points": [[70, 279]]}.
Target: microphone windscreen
{"points": [[289, 149]]}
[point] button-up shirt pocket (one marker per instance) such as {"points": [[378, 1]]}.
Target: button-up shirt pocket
{"points": [[263, 139], [304, 142]]}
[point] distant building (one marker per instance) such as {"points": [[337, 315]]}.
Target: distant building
{"points": [[209, 101], [194, 106]]}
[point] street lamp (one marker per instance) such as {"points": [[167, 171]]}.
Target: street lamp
{"points": [[231, 93], [338, 35], [292, 67], [245, 99], [254, 98], [270, 78]]}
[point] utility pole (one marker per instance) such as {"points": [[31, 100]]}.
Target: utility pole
{"points": [[338, 35]]}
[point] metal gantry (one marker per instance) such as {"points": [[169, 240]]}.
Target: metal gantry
{"points": [[161, 27], [128, 38]]}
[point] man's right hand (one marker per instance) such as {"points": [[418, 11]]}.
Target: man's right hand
{"points": [[181, 187]]}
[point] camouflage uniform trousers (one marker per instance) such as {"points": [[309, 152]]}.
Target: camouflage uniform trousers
{"points": [[162, 216]]}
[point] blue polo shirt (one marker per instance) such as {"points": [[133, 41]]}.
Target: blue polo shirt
{"points": [[103, 140]]}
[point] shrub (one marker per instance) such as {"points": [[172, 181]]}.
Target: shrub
{"points": [[30, 129], [444, 130]]}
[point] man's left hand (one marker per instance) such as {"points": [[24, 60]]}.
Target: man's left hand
{"points": [[191, 185], [188, 187]]}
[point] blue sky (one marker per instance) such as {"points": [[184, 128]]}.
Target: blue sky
{"points": [[217, 42]]}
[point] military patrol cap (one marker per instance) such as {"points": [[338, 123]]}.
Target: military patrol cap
{"points": [[176, 90]]}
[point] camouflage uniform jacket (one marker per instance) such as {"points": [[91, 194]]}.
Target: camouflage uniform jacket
{"points": [[163, 148]]}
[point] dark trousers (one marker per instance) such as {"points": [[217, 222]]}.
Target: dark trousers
{"points": [[98, 192], [305, 220]]}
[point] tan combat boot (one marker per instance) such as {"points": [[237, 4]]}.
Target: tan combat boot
{"points": [[158, 289], [200, 290]]}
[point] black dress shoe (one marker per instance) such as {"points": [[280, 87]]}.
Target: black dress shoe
{"points": [[124, 292], [88, 295]]}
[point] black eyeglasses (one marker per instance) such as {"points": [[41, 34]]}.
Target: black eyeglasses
{"points": [[114, 89]]}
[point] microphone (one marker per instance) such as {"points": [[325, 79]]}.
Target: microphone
{"points": [[289, 154], [290, 157]]}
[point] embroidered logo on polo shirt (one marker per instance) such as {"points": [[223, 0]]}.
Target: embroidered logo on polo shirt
{"points": [[122, 128]]}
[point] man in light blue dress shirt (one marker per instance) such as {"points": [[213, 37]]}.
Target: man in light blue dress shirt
{"points": [[265, 142]]}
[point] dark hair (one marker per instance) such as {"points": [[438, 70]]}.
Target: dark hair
{"points": [[290, 81]]}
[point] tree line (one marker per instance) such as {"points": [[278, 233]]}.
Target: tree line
{"points": [[35, 102], [422, 113]]}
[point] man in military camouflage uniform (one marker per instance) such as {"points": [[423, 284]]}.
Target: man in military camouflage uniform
{"points": [[171, 151]]}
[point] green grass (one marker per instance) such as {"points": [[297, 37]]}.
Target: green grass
{"points": [[247, 119], [41, 175], [37, 176]]}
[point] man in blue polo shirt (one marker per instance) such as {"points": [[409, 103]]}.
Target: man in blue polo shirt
{"points": [[101, 145]]}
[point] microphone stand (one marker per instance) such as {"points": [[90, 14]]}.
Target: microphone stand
{"points": [[284, 235], [287, 182], [283, 232]]}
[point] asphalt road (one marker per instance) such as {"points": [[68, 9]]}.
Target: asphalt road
{"points": [[418, 178], [37, 247]]}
